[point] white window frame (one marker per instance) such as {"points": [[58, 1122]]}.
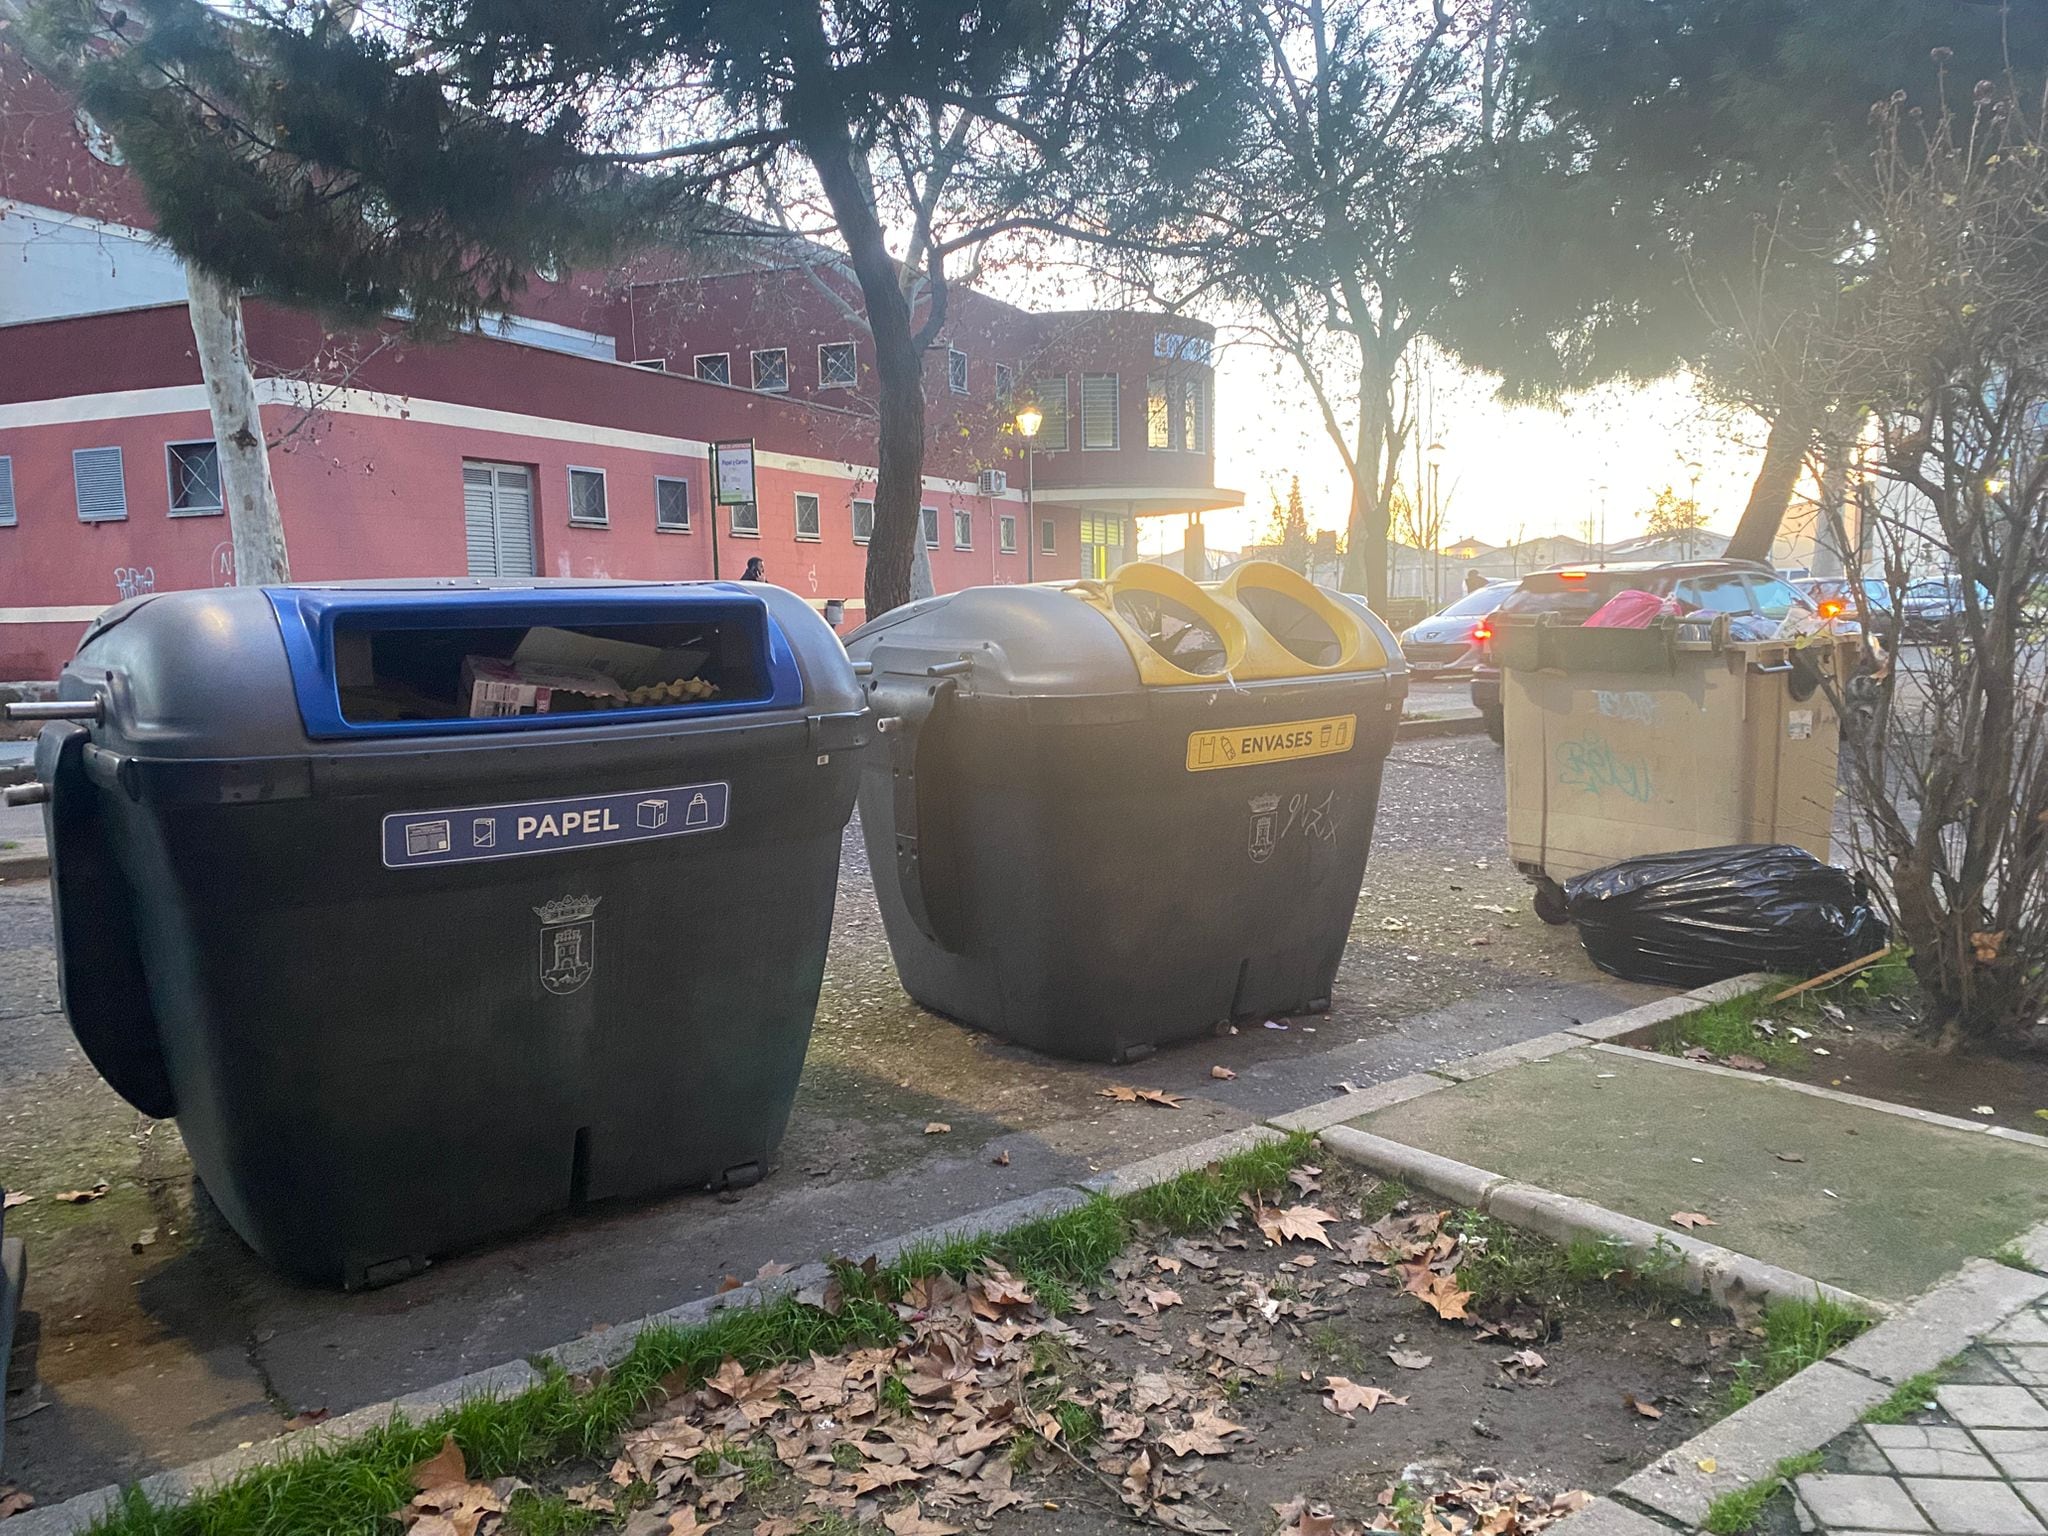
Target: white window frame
{"points": [[755, 355], [10, 513], [604, 492], [817, 516], [858, 503], [963, 523], [219, 507], [1048, 536], [659, 525], [853, 353], [1006, 383], [697, 367], [956, 363], [753, 511], [928, 525], [121, 478], [1116, 412], [1006, 532]]}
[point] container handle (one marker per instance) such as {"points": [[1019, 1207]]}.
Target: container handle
{"points": [[903, 728]]}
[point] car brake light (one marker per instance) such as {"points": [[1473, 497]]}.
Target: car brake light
{"points": [[1571, 575], [1832, 608], [1482, 631]]}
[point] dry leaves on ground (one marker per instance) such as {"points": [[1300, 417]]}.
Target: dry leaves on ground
{"points": [[14, 1197], [1126, 1095], [1302, 1223], [13, 1501], [448, 1503], [1642, 1405], [1342, 1395], [1222, 1074], [937, 1128], [1692, 1219], [81, 1196]]}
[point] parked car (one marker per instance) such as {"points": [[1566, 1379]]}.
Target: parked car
{"points": [[1574, 593], [1822, 591], [1929, 609], [1448, 641]]}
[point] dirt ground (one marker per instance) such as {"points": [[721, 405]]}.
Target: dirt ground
{"points": [[1460, 1415]]}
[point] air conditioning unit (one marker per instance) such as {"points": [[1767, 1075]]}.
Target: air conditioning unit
{"points": [[994, 482]]}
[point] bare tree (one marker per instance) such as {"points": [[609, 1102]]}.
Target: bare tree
{"points": [[1941, 328]]}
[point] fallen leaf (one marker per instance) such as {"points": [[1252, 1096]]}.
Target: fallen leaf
{"points": [[1306, 1180], [1304, 1519], [729, 1283], [911, 1520], [1122, 1094], [1708, 1465], [684, 1522], [2041, 1114], [1341, 1395], [445, 1466], [1302, 1222], [1442, 1294], [1987, 945], [1742, 1063], [778, 1525], [1160, 1097], [1789, 1157], [1647, 1409], [1409, 1360], [937, 1128], [13, 1501], [13, 1198], [1161, 1299], [1001, 1159], [1222, 1074], [305, 1420], [81, 1196], [1205, 1436], [1691, 1220], [771, 1269]]}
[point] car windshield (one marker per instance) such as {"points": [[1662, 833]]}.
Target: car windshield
{"points": [[1472, 604]]}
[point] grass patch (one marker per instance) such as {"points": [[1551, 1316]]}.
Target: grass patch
{"points": [[528, 1513], [2015, 1257], [1911, 1396], [351, 1489], [1796, 1332], [1504, 1265], [1735, 1512], [1729, 1029]]}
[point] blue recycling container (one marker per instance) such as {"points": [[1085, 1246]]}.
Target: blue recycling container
{"points": [[429, 909]]}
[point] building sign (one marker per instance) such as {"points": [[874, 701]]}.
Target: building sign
{"points": [[732, 473], [1243, 746], [1186, 349], [416, 838]]}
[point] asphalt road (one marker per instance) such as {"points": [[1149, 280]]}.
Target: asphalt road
{"points": [[165, 1340]]}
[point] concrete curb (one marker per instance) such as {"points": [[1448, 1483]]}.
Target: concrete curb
{"points": [[1420, 727], [25, 863], [1826, 1398], [1721, 1273]]}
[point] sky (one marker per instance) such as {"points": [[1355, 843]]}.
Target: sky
{"points": [[1507, 472]]}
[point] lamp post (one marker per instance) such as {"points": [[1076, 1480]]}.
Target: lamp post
{"points": [[1435, 454], [1693, 467], [1029, 419]]}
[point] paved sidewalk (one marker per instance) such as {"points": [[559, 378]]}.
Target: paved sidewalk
{"points": [[1975, 1463]]}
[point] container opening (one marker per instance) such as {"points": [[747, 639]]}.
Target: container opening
{"points": [[1175, 631], [392, 672], [1306, 633]]}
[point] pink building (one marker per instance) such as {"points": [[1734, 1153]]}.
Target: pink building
{"points": [[571, 437]]}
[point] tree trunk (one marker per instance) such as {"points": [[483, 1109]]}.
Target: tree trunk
{"points": [[899, 361], [1771, 492], [254, 523], [1365, 549]]}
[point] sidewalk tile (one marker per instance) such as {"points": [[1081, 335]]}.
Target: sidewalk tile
{"points": [[1931, 1450], [2022, 1453], [2035, 1494], [1971, 1506], [1993, 1407], [2027, 1363], [1867, 1503], [2029, 1327]]}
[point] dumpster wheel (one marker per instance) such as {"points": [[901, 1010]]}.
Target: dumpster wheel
{"points": [[1549, 902]]}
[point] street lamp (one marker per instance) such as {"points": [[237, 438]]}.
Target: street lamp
{"points": [[1435, 454], [1029, 419], [1695, 468]]}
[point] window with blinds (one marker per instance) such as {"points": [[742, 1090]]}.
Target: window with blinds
{"points": [[1162, 399], [96, 482], [1098, 410], [6, 491], [1051, 395], [497, 518]]}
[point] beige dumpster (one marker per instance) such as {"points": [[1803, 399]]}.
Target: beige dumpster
{"points": [[1630, 741]]}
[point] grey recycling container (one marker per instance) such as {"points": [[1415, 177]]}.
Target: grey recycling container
{"points": [[413, 964], [1111, 815]]}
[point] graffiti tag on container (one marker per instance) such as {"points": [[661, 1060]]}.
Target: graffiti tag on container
{"points": [[1590, 764], [1631, 704], [1309, 816]]}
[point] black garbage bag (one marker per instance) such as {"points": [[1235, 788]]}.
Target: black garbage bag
{"points": [[1684, 919]]}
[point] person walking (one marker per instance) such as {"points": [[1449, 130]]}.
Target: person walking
{"points": [[757, 570], [1473, 580]]}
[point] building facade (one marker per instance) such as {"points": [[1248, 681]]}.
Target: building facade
{"points": [[571, 437]]}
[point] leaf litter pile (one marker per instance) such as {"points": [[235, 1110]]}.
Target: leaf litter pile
{"points": [[1311, 1367]]}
